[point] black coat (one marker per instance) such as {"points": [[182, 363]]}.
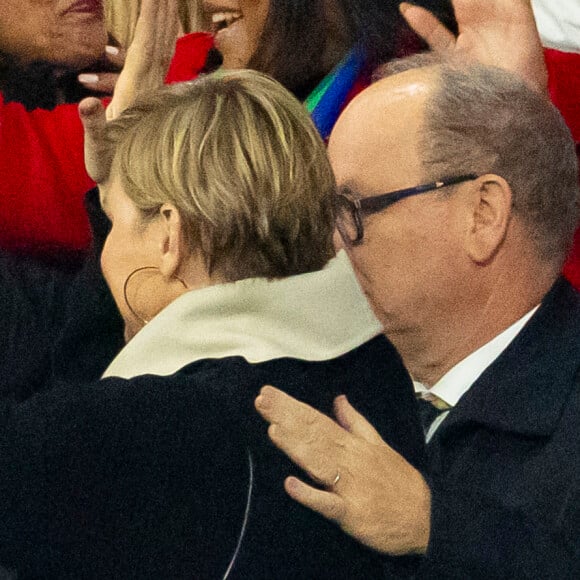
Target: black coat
{"points": [[505, 463], [57, 324], [148, 477]]}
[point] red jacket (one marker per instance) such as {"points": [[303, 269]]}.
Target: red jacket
{"points": [[44, 179], [564, 85]]}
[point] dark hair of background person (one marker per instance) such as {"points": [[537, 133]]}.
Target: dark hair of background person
{"points": [[295, 37]]}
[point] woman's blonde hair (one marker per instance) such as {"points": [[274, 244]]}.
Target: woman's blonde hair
{"points": [[121, 17], [240, 158]]}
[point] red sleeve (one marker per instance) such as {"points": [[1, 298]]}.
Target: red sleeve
{"points": [[43, 179], [190, 55], [43, 173], [564, 87]]}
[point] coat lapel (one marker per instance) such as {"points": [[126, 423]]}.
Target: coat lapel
{"points": [[525, 389]]}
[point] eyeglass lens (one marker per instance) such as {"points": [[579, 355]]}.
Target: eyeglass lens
{"points": [[347, 219]]}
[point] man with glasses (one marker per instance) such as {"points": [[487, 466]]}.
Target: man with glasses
{"points": [[457, 201]]}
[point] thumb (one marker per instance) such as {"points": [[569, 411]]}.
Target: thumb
{"points": [[97, 154], [92, 113], [351, 420]]}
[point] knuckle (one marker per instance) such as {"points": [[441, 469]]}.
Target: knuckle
{"points": [[310, 418], [335, 511], [273, 432]]}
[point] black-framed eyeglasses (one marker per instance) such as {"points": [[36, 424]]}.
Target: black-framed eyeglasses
{"points": [[349, 211]]}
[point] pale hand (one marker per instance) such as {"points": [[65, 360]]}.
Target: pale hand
{"points": [[379, 498], [145, 68], [499, 33]]}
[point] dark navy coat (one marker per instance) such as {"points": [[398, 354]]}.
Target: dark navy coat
{"points": [[505, 463]]}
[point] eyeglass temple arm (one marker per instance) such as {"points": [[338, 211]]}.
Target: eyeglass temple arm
{"points": [[383, 201]]}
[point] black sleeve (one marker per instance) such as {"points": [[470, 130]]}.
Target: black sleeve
{"points": [[124, 479], [32, 298]]}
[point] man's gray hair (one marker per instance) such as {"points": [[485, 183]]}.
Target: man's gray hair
{"points": [[481, 120]]}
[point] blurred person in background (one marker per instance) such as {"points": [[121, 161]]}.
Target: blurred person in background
{"points": [[323, 51], [122, 15], [79, 338], [45, 179], [53, 53], [44, 46]]}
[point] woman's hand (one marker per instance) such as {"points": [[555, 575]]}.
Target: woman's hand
{"points": [[149, 55], [499, 33], [145, 68]]}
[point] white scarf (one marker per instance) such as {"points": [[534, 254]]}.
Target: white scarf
{"points": [[315, 316]]}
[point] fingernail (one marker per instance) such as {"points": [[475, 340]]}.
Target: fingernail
{"points": [[112, 50], [88, 78]]}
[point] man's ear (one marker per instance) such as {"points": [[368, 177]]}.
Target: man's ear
{"points": [[173, 242], [490, 216]]}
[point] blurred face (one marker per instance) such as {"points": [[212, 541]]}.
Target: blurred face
{"points": [[409, 263], [131, 244], [237, 26], [70, 33]]}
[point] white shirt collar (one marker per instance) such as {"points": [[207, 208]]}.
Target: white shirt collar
{"points": [[458, 380], [315, 316]]}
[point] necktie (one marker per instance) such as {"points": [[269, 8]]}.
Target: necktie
{"points": [[430, 407]]}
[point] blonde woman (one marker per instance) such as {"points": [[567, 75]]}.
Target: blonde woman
{"points": [[220, 260]]}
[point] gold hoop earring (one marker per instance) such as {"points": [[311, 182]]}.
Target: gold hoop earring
{"points": [[143, 321]]}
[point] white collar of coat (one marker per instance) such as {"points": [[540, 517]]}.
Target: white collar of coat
{"points": [[315, 316]]}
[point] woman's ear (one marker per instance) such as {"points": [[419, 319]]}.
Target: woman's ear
{"points": [[173, 241], [491, 213]]}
